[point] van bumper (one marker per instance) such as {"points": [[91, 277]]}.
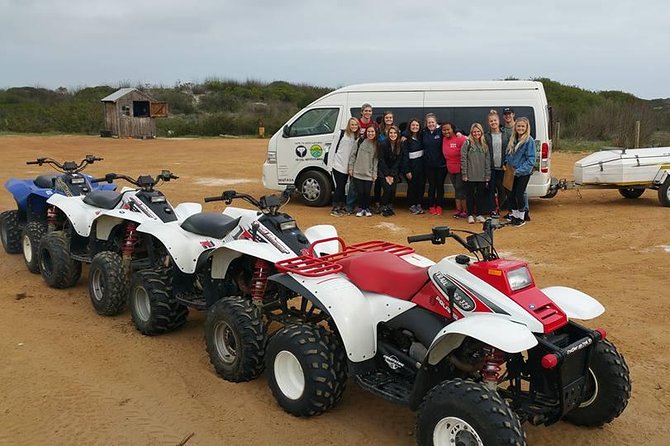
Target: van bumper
{"points": [[270, 178]]}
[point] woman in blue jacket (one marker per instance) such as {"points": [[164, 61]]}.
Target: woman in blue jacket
{"points": [[521, 157], [435, 166]]}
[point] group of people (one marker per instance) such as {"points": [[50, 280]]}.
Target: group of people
{"points": [[367, 157]]}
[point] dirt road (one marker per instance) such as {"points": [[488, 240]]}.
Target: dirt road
{"points": [[68, 376]]}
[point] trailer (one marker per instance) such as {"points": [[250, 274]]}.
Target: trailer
{"points": [[630, 171]]}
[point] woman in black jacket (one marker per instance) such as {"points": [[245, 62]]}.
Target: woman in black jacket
{"points": [[388, 171], [412, 166]]}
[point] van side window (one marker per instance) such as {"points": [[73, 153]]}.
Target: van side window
{"points": [[318, 121]]}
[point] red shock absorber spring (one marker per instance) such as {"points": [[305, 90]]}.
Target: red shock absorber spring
{"points": [[259, 281], [52, 214], [493, 361], [129, 241]]}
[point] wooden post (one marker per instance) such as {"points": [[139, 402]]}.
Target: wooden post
{"points": [[558, 134], [637, 135]]}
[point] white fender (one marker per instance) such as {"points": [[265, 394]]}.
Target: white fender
{"points": [[184, 247], [106, 220], [222, 257], [574, 303], [496, 330], [356, 314], [79, 214], [185, 210], [320, 232]]}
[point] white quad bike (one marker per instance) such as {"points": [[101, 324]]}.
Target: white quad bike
{"points": [[472, 344], [228, 279], [101, 229]]}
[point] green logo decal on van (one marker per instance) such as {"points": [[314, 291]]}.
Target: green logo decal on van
{"points": [[315, 151]]}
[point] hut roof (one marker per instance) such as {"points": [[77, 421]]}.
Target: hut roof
{"points": [[121, 93]]}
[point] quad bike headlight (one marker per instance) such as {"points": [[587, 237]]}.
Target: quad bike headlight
{"points": [[519, 278], [287, 225], [158, 199], [78, 180]]}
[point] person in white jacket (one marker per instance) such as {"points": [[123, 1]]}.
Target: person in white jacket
{"points": [[341, 148]]}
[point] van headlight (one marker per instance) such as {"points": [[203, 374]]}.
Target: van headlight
{"points": [[272, 158], [519, 278]]}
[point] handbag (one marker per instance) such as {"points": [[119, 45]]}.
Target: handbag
{"points": [[508, 177]]}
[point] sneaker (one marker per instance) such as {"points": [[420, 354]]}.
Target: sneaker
{"points": [[480, 219], [419, 209], [367, 213], [336, 212], [457, 214], [526, 217], [438, 210], [432, 210], [412, 209], [508, 217], [464, 214], [471, 219], [360, 213], [517, 222], [494, 214]]}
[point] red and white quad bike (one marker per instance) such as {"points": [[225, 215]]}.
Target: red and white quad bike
{"points": [[471, 343]]}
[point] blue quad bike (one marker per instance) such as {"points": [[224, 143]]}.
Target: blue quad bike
{"points": [[21, 229]]}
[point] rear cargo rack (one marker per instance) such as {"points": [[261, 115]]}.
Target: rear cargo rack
{"points": [[310, 266]]}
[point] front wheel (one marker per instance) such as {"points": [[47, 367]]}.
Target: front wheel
{"points": [[664, 192], [235, 336], [153, 308], [107, 283], [315, 188], [607, 389], [56, 266], [10, 232], [631, 192], [306, 369], [30, 242], [462, 412]]}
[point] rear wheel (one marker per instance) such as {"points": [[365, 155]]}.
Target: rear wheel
{"points": [[607, 389], [107, 283], [10, 232], [315, 188], [631, 192], [57, 268], [153, 308], [306, 369], [664, 192], [462, 412], [30, 242], [235, 338]]}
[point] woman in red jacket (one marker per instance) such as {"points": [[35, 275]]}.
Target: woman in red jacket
{"points": [[451, 148]]}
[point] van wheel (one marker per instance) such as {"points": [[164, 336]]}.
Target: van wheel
{"points": [[315, 188], [631, 192], [664, 192]]}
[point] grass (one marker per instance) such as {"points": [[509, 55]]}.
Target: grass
{"points": [[580, 145]]}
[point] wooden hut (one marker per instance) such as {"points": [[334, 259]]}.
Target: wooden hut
{"points": [[132, 113]]}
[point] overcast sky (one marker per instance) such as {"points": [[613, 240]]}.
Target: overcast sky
{"points": [[594, 44]]}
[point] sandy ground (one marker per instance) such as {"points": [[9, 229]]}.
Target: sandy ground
{"points": [[68, 376]]}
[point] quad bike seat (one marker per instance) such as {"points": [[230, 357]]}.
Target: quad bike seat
{"points": [[210, 224], [384, 273], [45, 181], [105, 199]]}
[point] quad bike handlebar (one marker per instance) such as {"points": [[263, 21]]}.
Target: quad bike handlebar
{"points": [[479, 243], [268, 204], [144, 182], [67, 166]]}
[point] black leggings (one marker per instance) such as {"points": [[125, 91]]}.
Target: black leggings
{"points": [[377, 190], [340, 180], [388, 191], [476, 197], [363, 192], [415, 188], [516, 201], [436, 177]]}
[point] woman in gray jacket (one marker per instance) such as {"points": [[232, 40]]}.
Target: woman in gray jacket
{"points": [[476, 173], [363, 169]]}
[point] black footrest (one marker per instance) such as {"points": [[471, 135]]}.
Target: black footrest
{"points": [[388, 385]]}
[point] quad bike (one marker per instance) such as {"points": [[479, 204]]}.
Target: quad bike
{"points": [[470, 343], [100, 229], [220, 263], [21, 229]]}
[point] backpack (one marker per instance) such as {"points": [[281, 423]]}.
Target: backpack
{"points": [[337, 146]]}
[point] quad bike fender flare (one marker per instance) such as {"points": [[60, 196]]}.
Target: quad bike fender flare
{"points": [[185, 210], [356, 314], [21, 190], [495, 330], [79, 214], [185, 248], [321, 232], [574, 303], [106, 221], [224, 255]]}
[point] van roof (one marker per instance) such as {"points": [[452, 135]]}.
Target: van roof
{"points": [[444, 85]]}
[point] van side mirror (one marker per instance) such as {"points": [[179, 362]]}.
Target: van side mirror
{"points": [[286, 131]]}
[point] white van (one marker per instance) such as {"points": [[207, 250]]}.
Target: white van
{"points": [[295, 152]]}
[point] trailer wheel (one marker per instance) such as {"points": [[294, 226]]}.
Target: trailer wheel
{"points": [[10, 231], [30, 241], [664, 192], [631, 192], [607, 389], [315, 188], [463, 412]]}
